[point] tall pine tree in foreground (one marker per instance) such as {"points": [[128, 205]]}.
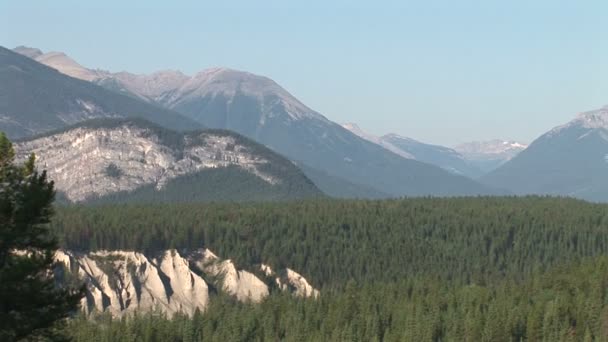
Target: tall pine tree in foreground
{"points": [[31, 304]]}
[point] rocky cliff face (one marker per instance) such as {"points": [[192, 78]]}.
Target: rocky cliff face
{"points": [[123, 282], [96, 161]]}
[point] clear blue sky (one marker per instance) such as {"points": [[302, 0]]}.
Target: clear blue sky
{"points": [[439, 71]]}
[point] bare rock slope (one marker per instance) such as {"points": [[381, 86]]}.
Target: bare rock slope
{"points": [[101, 158], [124, 282]]}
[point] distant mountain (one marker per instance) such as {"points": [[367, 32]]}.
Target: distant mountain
{"points": [[35, 98], [569, 160], [259, 108], [489, 155], [118, 160], [444, 157]]}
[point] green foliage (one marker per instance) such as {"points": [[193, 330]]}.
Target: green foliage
{"points": [[466, 240], [427, 269], [30, 303], [113, 171], [548, 306]]}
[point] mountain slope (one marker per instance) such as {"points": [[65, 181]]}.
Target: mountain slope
{"points": [[489, 155], [127, 160], [35, 98], [444, 157], [259, 108], [569, 160]]}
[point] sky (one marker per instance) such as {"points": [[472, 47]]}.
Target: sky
{"points": [[442, 72]]}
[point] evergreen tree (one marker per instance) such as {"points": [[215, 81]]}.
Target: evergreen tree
{"points": [[31, 304]]}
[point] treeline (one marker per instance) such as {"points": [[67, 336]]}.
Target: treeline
{"points": [[459, 240], [564, 304]]}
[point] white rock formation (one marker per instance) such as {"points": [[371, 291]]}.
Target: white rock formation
{"points": [[80, 160], [123, 282], [291, 281], [245, 286]]}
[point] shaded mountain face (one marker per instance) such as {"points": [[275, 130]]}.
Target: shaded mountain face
{"points": [[569, 160], [489, 155], [444, 157], [35, 98], [260, 109], [128, 160]]}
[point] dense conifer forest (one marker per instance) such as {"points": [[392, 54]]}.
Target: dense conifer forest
{"points": [[428, 269]]}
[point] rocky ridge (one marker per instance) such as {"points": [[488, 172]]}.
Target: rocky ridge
{"points": [[92, 161], [124, 282]]}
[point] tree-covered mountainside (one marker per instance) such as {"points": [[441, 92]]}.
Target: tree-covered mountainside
{"points": [[565, 304], [465, 240], [461, 269], [133, 160], [35, 98]]}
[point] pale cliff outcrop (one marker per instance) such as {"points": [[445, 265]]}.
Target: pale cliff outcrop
{"points": [[244, 285], [123, 282], [86, 162]]}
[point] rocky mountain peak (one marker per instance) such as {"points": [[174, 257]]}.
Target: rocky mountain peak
{"points": [[66, 65], [32, 53], [593, 119]]}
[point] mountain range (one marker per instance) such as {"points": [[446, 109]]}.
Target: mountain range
{"points": [[35, 98], [569, 160], [258, 108], [42, 92], [471, 159]]}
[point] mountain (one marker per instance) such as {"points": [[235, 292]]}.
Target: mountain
{"points": [[489, 155], [444, 157], [260, 109], [35, 98], [122, 160], [569, 160], [125, 282]]}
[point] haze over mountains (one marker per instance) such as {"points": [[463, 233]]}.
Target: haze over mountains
{"points": [[35, 98], [569, 160], [343, 161], [471, 159], [258, 108]]}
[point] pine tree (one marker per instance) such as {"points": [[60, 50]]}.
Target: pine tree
{"points": [[31, 304]]}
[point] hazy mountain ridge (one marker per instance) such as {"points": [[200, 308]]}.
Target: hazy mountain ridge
{"points": [[444, 157], [489, 155], [35, 98], [569, 160], [259, 108], [106, 157]]}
